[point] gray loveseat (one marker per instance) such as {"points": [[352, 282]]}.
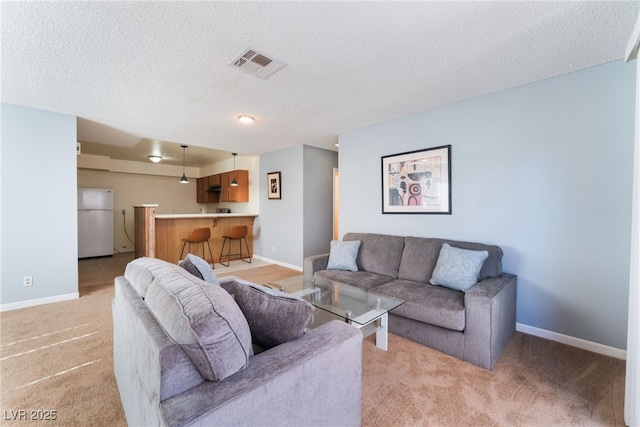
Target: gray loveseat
{"points": [[314, 379], [474, 326]]}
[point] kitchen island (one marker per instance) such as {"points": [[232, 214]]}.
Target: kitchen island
{"points": [[160, 236]]}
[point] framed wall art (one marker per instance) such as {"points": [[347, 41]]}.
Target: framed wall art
{"points": [[417, 182], [274, 185]]}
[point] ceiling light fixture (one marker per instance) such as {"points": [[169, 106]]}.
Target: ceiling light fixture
{"points": [[234, 182], [184, 179], [245, 119], [155, 159]]}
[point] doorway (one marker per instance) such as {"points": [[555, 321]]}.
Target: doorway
{"points": [[336, 203]]}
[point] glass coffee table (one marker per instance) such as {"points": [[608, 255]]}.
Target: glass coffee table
{"points": [[365, 310]]}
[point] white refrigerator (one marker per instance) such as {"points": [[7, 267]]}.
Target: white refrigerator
{"points": [[95, 222]]}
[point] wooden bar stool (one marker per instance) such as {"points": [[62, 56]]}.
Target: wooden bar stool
{"points": [[198, 235], [238, 232]]}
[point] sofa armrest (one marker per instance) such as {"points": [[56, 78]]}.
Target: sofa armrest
{"points": [[490, 308], [314, 263], [313, 380]]}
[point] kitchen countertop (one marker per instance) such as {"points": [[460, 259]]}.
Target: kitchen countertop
{"points": [[205, 215]]}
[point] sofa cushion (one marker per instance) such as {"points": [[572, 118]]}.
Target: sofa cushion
{"points": [[458, 268], [420, 256], [434, 305], [199, 268], [378, 253], [359, 279], [203, 319], [274, 317], [342, 255], [141, 272]]}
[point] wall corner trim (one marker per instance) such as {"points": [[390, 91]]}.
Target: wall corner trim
{"points": [[572, 341], [38, 301], [631, 52]]}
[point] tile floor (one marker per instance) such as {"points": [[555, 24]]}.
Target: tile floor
{"points": [[102, 270]]}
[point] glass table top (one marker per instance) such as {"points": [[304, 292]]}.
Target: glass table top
{"points": [[352, 304]]}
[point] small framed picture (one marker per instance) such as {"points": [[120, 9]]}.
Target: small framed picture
{"points": [[417, 182], [274, 185]]}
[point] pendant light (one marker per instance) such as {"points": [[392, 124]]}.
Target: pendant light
{"points": [[184, 179], [234, 182]]}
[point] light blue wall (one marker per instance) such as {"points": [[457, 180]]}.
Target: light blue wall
{"points": [[545, 172], [279, 225], [39, 204], [318, 199], [300, 223]]}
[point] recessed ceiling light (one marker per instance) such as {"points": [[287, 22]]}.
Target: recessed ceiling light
{"points": [[155, 159], [245, 119]]}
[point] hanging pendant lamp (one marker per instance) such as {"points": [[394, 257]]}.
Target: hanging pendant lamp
{"points": [[234, 182], [184, 179]]}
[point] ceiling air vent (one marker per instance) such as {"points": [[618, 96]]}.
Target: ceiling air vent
{"points": [[256, 63]]}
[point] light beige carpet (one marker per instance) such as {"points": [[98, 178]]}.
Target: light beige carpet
{"points": [[536, 382], [263, 275], [58, 357]]}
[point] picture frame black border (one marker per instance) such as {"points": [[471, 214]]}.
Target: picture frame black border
{"points": [[388, 158], [271, 195]]}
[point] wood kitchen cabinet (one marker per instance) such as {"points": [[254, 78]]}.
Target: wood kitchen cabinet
{"points": [[228, 192], [202, 189], [239, 193], [214, 180]]}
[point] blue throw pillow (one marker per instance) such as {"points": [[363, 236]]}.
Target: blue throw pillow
{"points": [[199, 268], [343, 255], [458, 268]]}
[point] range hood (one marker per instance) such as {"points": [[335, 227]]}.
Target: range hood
{"points": [[215, 189]]}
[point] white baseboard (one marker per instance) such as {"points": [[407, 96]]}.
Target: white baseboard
{"points": [[38, 301], [280, 263], [572, 341], [531, 330]]}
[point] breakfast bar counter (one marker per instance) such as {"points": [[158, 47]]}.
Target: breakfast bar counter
{"points": [[160, 236]]}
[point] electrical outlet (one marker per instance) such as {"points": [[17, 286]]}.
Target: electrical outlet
{"points": [[124, 212], [273, 248], [27, 280]]}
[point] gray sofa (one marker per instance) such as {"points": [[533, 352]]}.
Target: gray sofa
{"points": [[314, 379], [474, 326]]}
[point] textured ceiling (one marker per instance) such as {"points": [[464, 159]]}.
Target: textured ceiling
{"points": [[139, 71]]}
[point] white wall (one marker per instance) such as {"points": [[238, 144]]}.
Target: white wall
{"points": [[632, 378], [545, 172], [39, 206]]}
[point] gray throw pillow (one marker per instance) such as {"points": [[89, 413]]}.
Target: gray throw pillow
{"points": [[274, 317], [204, 320], [458, 268], [199, 268], [343, 254]]}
